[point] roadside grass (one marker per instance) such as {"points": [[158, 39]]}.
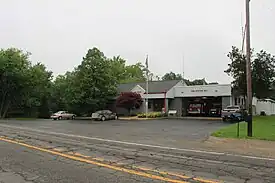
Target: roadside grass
{"points": [[263, 129]]}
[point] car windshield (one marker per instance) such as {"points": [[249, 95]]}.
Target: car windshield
{"points": [[59, 112], [195, 105]]}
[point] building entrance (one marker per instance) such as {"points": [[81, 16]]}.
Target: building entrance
{"points": [[203, 106]]}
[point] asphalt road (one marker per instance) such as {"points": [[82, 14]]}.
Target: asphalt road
{"points": [[122, 151], [23, 165], [159, 132]]}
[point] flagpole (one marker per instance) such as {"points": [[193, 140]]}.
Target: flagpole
{"points": [[147, 87]]}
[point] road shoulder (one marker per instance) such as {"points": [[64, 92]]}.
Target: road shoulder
{"points": [[242, 146]]}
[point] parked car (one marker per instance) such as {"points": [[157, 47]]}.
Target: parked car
{"points": [[62, 115], [104, 115], [234, 113]]}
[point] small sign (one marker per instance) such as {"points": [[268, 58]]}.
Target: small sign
{"points": [[199, 90]]}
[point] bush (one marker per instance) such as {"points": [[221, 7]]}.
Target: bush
{"points": [[151, 115]]}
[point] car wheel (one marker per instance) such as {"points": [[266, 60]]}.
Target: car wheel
{"points": [[103, 118], [54, 119], [59, 118]]}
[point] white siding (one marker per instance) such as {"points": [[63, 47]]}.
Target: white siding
{"points": [[139, 89], [268, 106], [203, 90], [171, 93], [157, 95]]}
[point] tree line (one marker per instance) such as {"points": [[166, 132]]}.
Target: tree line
{"points": [[263, 73], [30, 90]]}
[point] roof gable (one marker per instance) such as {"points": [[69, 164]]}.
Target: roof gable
{"points": [[153, 86]]}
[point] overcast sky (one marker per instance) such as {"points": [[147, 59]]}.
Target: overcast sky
{"points": [[59, 32]]}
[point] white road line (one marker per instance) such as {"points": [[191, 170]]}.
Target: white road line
{"points": [[141, 145]]}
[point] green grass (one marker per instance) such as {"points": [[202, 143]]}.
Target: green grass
{"points": [[263, 129]]}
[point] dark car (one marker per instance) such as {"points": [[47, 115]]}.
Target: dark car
{"points": [[104, 115]]}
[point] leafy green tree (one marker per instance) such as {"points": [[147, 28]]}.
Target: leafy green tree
{"points": [[263, 73], [126, 73], [198, 82], [237, 70], [92, 84], [39, 91], [171, 76], [62, 92], [174, 76], [135, 73], [14, 67]]}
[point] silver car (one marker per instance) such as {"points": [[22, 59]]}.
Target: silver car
{"points": [[104, 115], [62, 115]]}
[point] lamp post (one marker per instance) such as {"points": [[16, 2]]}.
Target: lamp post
{"points": [[248, 70]]}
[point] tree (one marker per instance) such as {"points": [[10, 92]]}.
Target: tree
{"points": [[237, 70], [263, 65], [14, 81], [36, 100], [126, 73], [263, 74], [134, 73], [171, 76], [198, 82], [129, 100], [174, 76], [92, 84], [62, 92]]}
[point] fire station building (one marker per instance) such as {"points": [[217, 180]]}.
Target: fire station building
{"points": [[203, 100]]}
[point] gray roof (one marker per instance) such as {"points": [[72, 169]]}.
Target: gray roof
{"points": [[153, 86]]}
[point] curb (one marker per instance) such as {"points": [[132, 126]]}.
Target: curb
{"points": [[145, 119], [174, 118], [202, 118], [140, 119]]}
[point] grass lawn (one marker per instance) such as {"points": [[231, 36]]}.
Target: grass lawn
{"points": [[263, 129]]}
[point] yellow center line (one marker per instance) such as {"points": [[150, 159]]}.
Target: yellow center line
{"points": [[176, 175], [147, 175]]}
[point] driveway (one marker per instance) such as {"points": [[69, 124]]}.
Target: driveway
{"points": [[167, 132]]}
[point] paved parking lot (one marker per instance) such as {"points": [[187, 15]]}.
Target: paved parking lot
{"points": [[158, 132]]}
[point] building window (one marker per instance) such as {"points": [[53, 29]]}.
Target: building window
{"points": [[239, 101], [236, 102]]}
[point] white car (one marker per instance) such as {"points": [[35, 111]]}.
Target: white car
{"points": [[62, 115]]}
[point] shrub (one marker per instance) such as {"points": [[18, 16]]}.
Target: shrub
{"points": [[129, 100], [151, 115]]}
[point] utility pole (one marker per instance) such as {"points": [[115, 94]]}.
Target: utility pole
{"points": [[147, 86], [248, 71]]}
